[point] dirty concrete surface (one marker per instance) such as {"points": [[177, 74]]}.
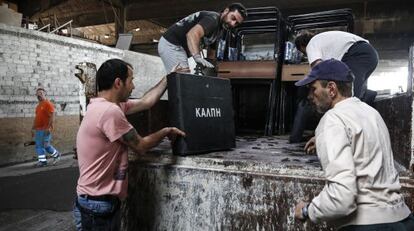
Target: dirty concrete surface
{"points": [[255, 183], [251, 187], [273, 154], [41, 198]]}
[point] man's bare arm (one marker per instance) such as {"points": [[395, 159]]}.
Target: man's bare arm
{"points": [[194, 36], [132, 140], [140, 145], [150, 97]]}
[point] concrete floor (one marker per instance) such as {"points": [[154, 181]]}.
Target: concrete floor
{"points": [[35, 220], [35, 199]]}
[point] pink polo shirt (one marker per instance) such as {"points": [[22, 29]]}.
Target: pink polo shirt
{"points": [[103, 159]]}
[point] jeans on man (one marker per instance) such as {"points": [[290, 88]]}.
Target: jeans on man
{"points": [[42, 140], [94, 215]]}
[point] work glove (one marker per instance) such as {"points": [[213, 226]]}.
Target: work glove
{"points": [[200, 60]]}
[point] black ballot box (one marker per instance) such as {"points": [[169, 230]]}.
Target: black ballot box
{"points": [[201, 107]]}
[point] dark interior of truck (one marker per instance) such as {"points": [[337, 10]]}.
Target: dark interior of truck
{"points": [[262, 63]]}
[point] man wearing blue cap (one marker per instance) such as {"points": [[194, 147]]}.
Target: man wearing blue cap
{"points": [[356, 52], [353, 145]]}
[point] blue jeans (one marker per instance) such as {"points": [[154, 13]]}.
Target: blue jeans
{"points": [[42, 140], [94, 215]]}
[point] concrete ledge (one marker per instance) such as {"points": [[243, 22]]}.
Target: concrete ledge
{"points": [[253, 187]]}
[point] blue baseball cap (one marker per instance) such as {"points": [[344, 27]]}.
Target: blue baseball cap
{"points": [[330, 69]]}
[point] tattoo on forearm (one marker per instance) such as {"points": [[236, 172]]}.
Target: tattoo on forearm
{"points": [[131, 136]]}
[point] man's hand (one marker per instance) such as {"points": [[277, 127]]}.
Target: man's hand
{"points": [[173, 133], [180, 69], [202, 61], [298, 210], [48, 130], [316, 62], [310, 146]]}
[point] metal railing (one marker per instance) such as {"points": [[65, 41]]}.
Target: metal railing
{"points": [[46, 26], [64, 25]]}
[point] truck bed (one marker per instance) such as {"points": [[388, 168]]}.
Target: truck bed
{"points": [[264, 154]]}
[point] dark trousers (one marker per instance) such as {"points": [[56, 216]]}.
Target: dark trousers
{"points": [[306, 116], [362, 59], [303, 114], [405, 225]]}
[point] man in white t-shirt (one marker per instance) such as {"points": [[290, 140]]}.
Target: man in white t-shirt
{"points": [[351, 49]]}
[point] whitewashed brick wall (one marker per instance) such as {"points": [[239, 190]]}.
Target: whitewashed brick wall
{"points": [[29, 59]]}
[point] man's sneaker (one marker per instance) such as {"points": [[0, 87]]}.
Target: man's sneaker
{"points": [[56, 157], [41, 164]]}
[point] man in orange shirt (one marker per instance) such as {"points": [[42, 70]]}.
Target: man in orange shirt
{"points": [[42, 128]]}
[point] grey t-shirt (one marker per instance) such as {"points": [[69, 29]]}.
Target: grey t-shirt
{"points": [[209, 20]]}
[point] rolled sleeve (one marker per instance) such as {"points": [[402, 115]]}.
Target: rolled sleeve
{"points": [[125, 107], [337, 199]]}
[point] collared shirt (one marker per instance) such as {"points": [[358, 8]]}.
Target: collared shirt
{"points": [[354, 148]]}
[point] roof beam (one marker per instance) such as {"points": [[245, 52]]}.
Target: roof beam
{"points": [[30, 8]]}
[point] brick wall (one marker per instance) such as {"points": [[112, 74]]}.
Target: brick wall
{"points": [[29, 59]]}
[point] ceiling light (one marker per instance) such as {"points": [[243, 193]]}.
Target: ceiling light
{"points": [[137, 29], [155, 40], [106, 36]]}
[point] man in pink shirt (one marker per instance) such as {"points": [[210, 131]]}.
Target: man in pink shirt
{"points": [[103, 140]]}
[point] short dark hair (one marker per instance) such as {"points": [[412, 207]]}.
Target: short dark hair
{"points": [[40, 89], [109, 71], [344, 88], [239, 7], [303, 39]]}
